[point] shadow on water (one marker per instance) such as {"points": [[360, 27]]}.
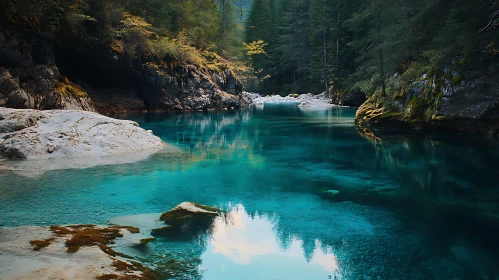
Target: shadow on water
{"points": [[449, 192], [447, 180]]}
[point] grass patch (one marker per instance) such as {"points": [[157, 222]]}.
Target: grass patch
{"points": [[146, 241], [390, 115], [40, 244], [67, 87], [121, 266], [91, 235], [109, 277]]}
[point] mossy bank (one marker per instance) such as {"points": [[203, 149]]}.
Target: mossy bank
{"points": [[463, 101]]}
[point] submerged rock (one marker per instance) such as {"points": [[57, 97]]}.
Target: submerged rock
{"points": [[442, 268], [187, 220], [332, 192], [33, 134]]}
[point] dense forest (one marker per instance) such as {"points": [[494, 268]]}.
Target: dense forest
{"points": [[312, 44], [192, 31], [282, 47]]}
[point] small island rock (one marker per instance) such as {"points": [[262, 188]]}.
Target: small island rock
{"points": [[186, 220]]}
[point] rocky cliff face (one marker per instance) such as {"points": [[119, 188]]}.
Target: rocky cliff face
{"points": [[187, 88], [468, 102], [29, 78], [100, 80]]}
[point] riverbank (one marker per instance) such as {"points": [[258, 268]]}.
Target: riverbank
{"points": [[61, 139], [96, 252], [453, 102], [42, 253]]}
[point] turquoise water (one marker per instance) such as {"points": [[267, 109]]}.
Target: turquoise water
{"points": [[404, 205]]}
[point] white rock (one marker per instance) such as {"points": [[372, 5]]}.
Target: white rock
{"points": [[310, 99], [34, 134], [306, 104], [52, 140], [191, 207], [18, 260]]}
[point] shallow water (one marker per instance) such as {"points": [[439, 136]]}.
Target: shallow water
{"points": [[410, 205]]}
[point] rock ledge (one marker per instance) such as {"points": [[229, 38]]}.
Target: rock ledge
{"points": [[33, 134]]}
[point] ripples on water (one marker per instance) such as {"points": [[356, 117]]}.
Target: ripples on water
{"points": [[410, 205]]}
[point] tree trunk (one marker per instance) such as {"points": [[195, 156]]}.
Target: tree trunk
{"points": [[380, 54], [338, 39], [324, 48]]}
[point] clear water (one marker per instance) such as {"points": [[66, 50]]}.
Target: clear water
{"points": [[410, 205]]}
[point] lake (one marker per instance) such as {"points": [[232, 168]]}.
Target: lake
{"points": [[307, 195]]}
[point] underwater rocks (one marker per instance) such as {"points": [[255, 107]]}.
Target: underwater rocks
{"points": [[186, 220], [33, 134]]}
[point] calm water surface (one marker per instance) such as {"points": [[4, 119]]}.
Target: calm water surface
{"points": [[402, 205]]}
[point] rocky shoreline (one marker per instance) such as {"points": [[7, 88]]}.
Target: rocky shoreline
{"points": [[451, 103], [91, 251], [305, 100], [37, 72], [61, 139]]}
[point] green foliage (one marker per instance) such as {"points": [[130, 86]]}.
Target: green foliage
{"points": [[291, 45], [63, 16], [127, 26], [255, 48], [362, 44]]}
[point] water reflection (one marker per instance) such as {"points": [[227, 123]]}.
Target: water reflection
{"points": [[403, 203], [245, 246]]}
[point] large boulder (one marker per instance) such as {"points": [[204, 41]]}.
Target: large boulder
{"points": [[187, 220], [33, 134]]}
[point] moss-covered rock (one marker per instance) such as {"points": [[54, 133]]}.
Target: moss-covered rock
{"points": [[416, 108], [455, 100], [373, 112]]}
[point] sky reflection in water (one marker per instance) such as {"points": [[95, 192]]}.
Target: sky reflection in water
{"points": [[410, 205], [247, 247]]}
